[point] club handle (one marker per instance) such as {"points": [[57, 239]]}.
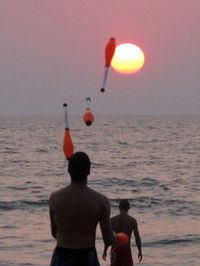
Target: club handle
{"points": [[66, 122], [106, 68]]}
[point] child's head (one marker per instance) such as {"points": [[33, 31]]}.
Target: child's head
{"points": [[124, 205]]}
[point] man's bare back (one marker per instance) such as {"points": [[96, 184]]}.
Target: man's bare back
{"points": [[77, 209]]}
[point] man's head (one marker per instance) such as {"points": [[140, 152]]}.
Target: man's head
{"points": [[124, 205], [79, 167]]}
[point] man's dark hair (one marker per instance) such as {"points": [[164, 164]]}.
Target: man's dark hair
{"points": [[124, 205], [79, 166]]}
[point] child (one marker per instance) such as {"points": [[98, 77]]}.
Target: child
{"points": [[121, 252]]}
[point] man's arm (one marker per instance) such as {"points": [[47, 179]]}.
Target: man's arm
{"points": [[52, 220], [105, 225], [52, 223], [105, 252], [138, 240]]}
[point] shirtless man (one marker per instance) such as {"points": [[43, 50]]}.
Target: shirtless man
{"points": [[121, 253], [75, 211]]}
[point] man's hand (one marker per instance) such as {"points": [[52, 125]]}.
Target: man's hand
{"points": [[140, 256], [104, 255]]}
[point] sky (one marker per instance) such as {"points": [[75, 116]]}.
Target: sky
{"points": [[52, 51]]}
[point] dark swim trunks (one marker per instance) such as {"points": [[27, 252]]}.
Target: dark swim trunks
{"points": [[121, 256], [74, 257]]}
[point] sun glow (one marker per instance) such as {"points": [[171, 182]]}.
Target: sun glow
{"points": [[128, 58]]}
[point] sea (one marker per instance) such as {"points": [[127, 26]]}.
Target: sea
{"points": [[153, 161]]}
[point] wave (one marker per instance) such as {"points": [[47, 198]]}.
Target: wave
{"points": [[22, 204], [5, 263], [172, 207], [184, 240], [123, 143], [39, 150], [148, 181]]}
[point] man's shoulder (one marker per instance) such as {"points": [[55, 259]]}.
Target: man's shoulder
{"points": [[57, 193], [98, 195]]}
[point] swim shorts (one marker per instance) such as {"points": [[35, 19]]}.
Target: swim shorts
{"points": [[74, 257], [121, 256]]}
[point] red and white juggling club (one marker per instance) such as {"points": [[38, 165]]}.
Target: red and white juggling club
{"points": [[109, 52], [68, 147]]}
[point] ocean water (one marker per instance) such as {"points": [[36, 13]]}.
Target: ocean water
{"points": [[153, 161]]}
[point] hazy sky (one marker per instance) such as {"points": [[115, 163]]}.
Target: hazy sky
{"points": [[52, 51]]}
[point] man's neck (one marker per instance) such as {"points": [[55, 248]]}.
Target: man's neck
{"points": [[79, 183]]}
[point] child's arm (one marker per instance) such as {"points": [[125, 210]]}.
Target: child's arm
{"points": [[138, 241]]}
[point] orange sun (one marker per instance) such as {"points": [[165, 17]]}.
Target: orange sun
{"points": [[128, 58]]}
